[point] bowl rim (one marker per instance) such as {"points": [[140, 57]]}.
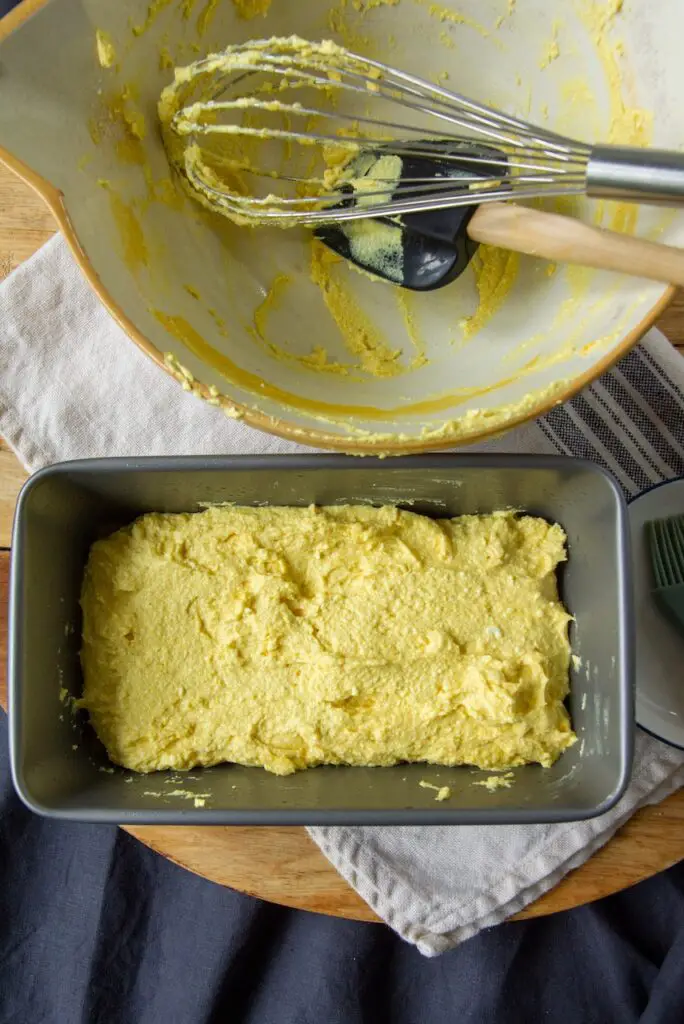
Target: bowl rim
{"points": [[281, 426]]}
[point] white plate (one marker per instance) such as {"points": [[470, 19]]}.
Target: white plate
{"points": [[659, 647]]}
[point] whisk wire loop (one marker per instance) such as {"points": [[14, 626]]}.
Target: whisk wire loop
{"points": [[483, 155]]}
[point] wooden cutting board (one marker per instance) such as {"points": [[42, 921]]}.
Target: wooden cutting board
{"points": [[282, 864]]}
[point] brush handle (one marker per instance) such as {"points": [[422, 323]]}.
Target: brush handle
{"points": [[567, 240]]}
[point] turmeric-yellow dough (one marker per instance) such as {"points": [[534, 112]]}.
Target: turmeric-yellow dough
{"points": [[294, 637]]}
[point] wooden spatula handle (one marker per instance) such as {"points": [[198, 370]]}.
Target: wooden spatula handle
{"points": [[567, 240]]}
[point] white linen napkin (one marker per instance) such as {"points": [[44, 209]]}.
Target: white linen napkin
{"points": [[73, 386]]}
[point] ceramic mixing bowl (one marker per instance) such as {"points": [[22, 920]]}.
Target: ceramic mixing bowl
{"points": [[264, 323]]}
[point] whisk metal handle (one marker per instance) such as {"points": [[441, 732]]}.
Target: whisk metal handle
{"points": [[636, 175]]}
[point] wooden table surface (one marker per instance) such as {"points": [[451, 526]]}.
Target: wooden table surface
{"points": [[282, 864]]}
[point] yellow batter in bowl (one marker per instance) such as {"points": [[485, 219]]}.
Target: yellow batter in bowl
{"points": [[288, 638]]}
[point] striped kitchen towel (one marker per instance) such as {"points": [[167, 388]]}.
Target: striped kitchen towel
{"points": [[435, 886], [630, 421]]}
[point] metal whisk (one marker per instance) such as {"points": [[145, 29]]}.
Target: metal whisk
{"points": [[323, 119]]}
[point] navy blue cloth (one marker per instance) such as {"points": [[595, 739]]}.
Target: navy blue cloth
{"points": [[97, 929]]}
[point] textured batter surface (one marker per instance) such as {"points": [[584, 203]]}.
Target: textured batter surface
{"points": [[289, 638]]}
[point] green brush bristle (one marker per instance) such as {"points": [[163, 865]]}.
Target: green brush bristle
{"points": [[666, 538], [666, 544]]}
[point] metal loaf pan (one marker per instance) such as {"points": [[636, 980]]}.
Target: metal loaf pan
{"points": [[61, 770]]}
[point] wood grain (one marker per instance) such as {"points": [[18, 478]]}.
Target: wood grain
{"points": [[25, 222], [282, 864], [12, 476], [671, 323]]}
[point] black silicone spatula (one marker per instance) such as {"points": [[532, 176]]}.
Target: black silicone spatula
{"points": [[436, 245]]}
